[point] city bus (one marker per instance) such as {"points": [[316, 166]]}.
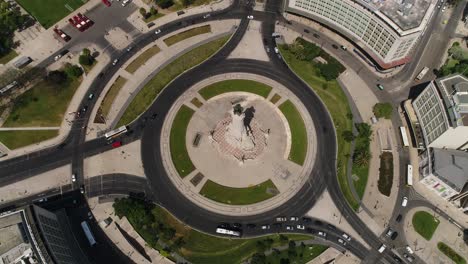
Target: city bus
{"points": [[116, 132], [422, 73], [409, 176], [88, 233], [228, 232], [404, 136]]}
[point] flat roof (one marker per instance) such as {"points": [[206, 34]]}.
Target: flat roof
{"points": [[406, 14], [451, 166], [454, 92]]}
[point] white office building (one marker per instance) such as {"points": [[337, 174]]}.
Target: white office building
{"points": [[387, 30]]}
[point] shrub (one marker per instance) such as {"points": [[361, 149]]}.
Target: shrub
{"points": [[383, 110], [164, 3], [73, 71], [86, 59], [57, 77]]}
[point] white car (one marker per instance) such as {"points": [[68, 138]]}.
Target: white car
{"points": [[73, 178], [206, 16], [341, 241], [322, 234], [264, 227], [294, 218], [346, 236], [300, 227], [157, 31], [125, 2], [409, 250], [443, 8], [281, 219], [115, 62], [404, 202], [276, 50], [250, 17], [56, 58], [290, 228]]}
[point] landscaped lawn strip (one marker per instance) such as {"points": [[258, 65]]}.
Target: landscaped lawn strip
{"points": [[111, 94], [179, 154], [187, 34], [238, 196], [305, 254], [298, 150], [49, 12], [452, 254], [385, 181], [235, 86], [142, 59], [149, 92], [17, 139], [425, 224]]}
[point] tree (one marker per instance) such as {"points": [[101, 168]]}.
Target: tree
{"points": [[56, 77], [73, 71], [383, 110], [283, 238], [164, 3], [187, 2], [348, 135], [86, 51], [179, 243], [86, 59], [284, 261], [364, 129], [328, 71], [260, 246], [258, 258], [153, 11], [143, 12]]}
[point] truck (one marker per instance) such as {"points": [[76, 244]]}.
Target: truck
{"points": [[422, 73]]}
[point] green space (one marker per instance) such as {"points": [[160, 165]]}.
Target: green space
{"points": [[86, 60], [235, 86], [296, 253], [452, 254], [142, 59], [383, 110], [457, 61], [18, 139], [149, 92], [5, 58], [385, 173], [275, 98], [361, 157], [334, 99], [239, 196], [151, 18], [49, 12], [187, 34], [111, 94], [46, 102], [196, 102], [152, 15], [298, 150], [425, 224], [156, 225], [179, 153]]}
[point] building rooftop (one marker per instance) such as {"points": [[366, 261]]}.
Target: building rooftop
{"points": [[454, 92], [406, 14], [451, 166]]}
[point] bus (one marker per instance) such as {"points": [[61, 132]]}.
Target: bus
{"points": [[116, 132], [422, 73], [228, 232], [88, 233], [409, 175], [8, 87], [404, 136]]}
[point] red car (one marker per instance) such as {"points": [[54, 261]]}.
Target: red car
{"points": [[85, 19], [117, 144], [62, 34], [80, 25], [106, 2]]}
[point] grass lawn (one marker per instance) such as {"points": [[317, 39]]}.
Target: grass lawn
{"points": [[111, 94], [298, 150], [18, 139], [4, 59], [153, 17], [239, 196], [304, 254], [142, 59], [49, 12], [449, 252], [275, 98], [179, 153], [337, 104], [149, 92], [202, 248], [187, 34], [196, 102], [385, 173], [235, 86], [362, 173], [42, 105], [383, 110], [425, 224]]}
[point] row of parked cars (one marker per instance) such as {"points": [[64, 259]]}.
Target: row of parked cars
{"points": [[81, 22]]}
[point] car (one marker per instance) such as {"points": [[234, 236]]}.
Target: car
{"points": [[56, 58], [311, 230], [281, 219], [106, 2], [115, 62], [294, 218], [300, 227], [409, 250], [346, 236], [116, 144], [331, 227], [322, 234], [73, 178], [382, 248], [90, 96], [394, 236], [267, 49], [341, 241], [306, 30], [404, 202], [444, 8], [82, 189], [408, 257], [380, 86], [157, 31], [129, 48], [181, 12], [279, 56], [125, 2], [438, 6], [84, 109], [277, 225], [397, 259], [289, 227], [151, 24], [250, 17], [265, 227], [343, 47], [318, 222], [276, 50], [100, 75], [306, 219], [90, 216], [42, 200], [237, 225], [398, 218], [334, 46], [206, 16], [389, 232], [251, 226]]}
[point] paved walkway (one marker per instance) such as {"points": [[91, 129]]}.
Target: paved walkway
{"points": [[187, 188]]}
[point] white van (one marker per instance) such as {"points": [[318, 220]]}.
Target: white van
{"points": [[382, 248], [409, 250], [404, 202]]}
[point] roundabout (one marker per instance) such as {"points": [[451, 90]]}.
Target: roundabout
{"points": [[232, 152]]}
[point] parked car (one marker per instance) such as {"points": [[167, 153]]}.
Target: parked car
{"points": [[389, 232], [276, 50], [300, 227], [306, 220], [125, 2], [265, 227], [157, 31], [251, 226], [281, 219], [73, 178], [250, 17], [294, 218], [346, 236], [341, 241], [289, 227], [237, 225], [56, 58], [322, 234], [116, 144]]}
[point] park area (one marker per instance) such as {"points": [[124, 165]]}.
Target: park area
{"points": [[187, 34], [450, 253], [239, 196], [20, 138], [296, 124], [385, 173], [142, 59], [249, 86], [49, 12], [179, 154], [425, 224]]}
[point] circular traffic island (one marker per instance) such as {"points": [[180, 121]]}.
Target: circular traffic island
{"points": [[238, 144]]}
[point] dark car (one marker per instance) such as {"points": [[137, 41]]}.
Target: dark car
{"points": [[331, 227], [334, 46], [100, 75], [306, 220], [318, 222], [251, 225], [398, 218], [153, 116], [237, 225], [394, 235], [311, 230], [306, 30]]}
